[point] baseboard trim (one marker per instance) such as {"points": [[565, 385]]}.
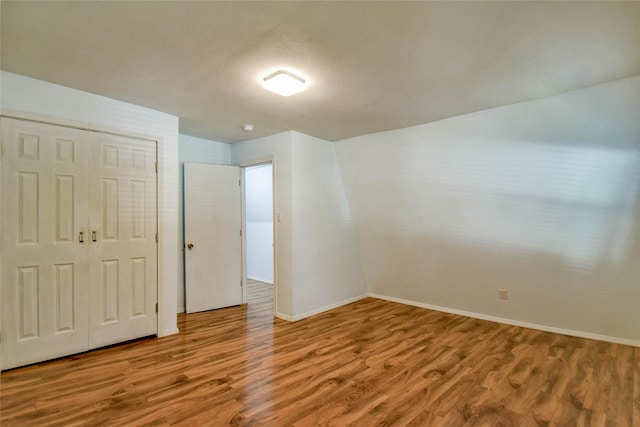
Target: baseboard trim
{"points": [[180, 310], [320, 310], [261, 279], [570, 332], [168, 332], [284, 317]]}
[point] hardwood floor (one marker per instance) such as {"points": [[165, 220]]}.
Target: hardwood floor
{"points": [[372, 362]]}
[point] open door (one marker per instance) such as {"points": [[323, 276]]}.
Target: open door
{"points": [[213, 251]]}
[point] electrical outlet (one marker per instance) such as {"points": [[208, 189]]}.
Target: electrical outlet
{"points": [[503, 294]]}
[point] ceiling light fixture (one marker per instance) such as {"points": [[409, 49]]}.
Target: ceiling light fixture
{"points": [[284, 83], [247, 128]]}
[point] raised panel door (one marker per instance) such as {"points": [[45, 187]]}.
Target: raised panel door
{"points": [[44, 262], [123, 247]]}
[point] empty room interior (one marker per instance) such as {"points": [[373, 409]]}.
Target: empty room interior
{"points": [[307, 213]]}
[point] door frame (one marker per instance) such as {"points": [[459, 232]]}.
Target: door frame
{"points": [[243, 166]]}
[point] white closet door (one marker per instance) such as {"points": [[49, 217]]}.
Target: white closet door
{"points": [[44, 268], [123, 220], [212, 219], [79, 252]]}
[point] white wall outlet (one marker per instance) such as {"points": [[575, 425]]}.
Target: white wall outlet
{"points": [[503, 294]]}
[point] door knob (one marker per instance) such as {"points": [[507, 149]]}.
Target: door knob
{"points": [[190, 246]]}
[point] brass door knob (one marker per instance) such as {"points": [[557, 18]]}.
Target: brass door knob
{"points": [[190, 246]]}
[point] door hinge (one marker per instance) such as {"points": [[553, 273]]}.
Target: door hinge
{"points": [[240, 282], [156, 307], [239, 183], [240, 233], [156, 237], [156, 167]]}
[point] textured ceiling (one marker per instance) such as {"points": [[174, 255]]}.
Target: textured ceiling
{"points": [[373, 66]]}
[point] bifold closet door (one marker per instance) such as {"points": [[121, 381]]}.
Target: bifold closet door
{"points": [[79, 254], [44, 242], [123, 240]]}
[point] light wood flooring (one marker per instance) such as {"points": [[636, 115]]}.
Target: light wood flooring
{"points": [[370, 363]]}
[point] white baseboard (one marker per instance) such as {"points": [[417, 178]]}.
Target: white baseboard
{"points": [[261, 279], [320, 310], [284, 317], [545, 328], [180, 310], [168, 332]]}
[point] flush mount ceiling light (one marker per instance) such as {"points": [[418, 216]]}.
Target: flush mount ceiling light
{"points": [[284, 83]]}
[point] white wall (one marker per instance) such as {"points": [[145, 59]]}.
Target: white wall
{"points": [[194, 150], [259, 222], [48, 101], [317, 263], [326, 266], [540, 198]]}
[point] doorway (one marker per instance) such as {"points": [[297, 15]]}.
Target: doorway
{"points": [[259, 233]]}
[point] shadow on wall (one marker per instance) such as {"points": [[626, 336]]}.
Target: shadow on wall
{"points": [[577, 202]]}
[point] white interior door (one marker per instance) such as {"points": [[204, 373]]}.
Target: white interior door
{"points": [[212, 216], [44, 242], [79, 256], [122, 234]]}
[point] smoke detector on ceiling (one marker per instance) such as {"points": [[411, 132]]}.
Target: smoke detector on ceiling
{"points": [[247, 128]]}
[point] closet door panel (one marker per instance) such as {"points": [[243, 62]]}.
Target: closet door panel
{"points": [[44, 263], [124, 254]]}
